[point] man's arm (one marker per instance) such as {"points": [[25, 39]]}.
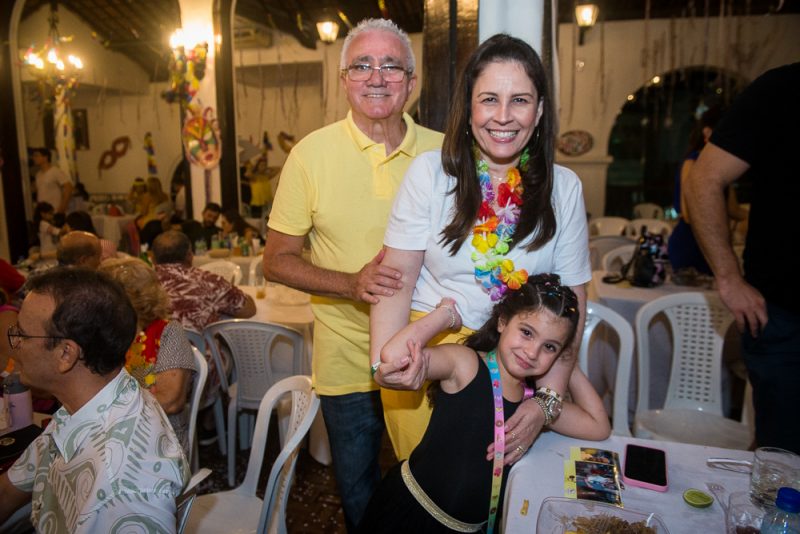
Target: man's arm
{"points": [[714, 171], [247, 310], [11, 498], [66, 194], [283, 263]]}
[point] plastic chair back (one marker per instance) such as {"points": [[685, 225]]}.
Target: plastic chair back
{"points": [[196, 339], [599, 245], [226, 269], [305, 404], [648, 210], [654, 226], [616, 258], [595, 315], [698, 322], [199, 382], [251, 344], [608, 225]]}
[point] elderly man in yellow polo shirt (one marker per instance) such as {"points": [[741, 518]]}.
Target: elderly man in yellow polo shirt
{"points": [[337, 188]]}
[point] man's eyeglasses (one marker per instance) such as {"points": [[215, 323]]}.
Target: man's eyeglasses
{"points": [[15, 336], [361, 72]]}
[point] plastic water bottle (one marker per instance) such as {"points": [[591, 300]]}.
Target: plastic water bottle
{"points": [[18, 398], [785, 519]]}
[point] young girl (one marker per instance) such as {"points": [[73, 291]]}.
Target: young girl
{"points": [[447, 482], [43, 216]]}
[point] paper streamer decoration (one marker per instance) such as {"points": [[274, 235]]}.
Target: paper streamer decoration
{"points": [[152, 170]]}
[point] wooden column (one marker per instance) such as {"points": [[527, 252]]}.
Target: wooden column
{"points": [[226, 111], [450, 35]]}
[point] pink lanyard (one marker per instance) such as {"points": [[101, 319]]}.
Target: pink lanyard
{"points": [[499, 438]]}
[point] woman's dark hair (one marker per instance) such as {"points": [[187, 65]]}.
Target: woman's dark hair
{"points": [[238, 222], [80, 190], [537, 217], [40, 209], [540, 292], [90, 309], [80, 220]]}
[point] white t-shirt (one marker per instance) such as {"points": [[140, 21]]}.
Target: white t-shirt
{"points": [[423, 208], [48, 186]]}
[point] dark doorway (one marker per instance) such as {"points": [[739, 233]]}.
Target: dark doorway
{"points": [[650, 136]]}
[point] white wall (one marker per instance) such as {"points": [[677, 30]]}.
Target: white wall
{"points": [[767, 42]]}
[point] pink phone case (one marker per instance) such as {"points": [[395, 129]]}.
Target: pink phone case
{"points": [[641, 483]]}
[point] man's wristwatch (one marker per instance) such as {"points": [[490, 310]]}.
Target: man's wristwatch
{"points": [[550, 402]]}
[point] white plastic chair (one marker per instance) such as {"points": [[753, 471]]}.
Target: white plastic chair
{"points": [[608, 225], [595, 315], [185, 500], [616, 258], [251, 344], [654, 226], [240, 510], [199, 382], [255, 276], [648, 210], [599, 245], [198, 341], [692, 412], [226, 269]]}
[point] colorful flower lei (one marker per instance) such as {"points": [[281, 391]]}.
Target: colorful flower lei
{"points": [[494, 230], [140, 361]]}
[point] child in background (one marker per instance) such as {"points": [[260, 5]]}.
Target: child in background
{"points": [[43, 216], [447, 481]]}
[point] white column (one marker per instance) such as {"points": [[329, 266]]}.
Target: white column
{"points": [[64, 140], [198, 25], [520, 18]]}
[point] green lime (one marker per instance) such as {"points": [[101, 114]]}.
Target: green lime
{"points": [[697, 498]]}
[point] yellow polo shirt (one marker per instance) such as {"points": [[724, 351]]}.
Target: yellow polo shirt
{"points": [[338, 186]]}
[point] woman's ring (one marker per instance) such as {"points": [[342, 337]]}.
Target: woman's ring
{"points": [[520, 449], [513, 435]]}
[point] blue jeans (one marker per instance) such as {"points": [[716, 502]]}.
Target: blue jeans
{"points": [[773, 365], [355, 429]]}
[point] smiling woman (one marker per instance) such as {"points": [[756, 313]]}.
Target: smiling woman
{"points": [[473, 221]]}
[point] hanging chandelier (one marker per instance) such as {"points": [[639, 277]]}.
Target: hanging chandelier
{"points": [[55, 74]]}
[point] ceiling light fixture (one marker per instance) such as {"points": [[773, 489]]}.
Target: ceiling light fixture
{"points": [[56, 75], [586, 15], [328, 31]]}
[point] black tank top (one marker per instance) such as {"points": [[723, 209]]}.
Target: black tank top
{"points": [[450, 462]]}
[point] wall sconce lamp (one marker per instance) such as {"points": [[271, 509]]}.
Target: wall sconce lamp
{"points": [[328, 31], [586, 15]]}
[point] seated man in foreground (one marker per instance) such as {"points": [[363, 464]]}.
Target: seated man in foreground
{"points": [[109, 461]]}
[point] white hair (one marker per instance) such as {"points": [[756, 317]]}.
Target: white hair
{"points": [[383, 25]]}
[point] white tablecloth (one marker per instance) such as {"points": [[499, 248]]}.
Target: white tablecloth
{"points": [[285, 306], [540, 474], [110, 227], [626, 300]]}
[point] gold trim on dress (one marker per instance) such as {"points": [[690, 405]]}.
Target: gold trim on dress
{"points": [[427, 503]]}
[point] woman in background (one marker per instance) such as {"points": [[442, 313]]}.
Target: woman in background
{"points": [[160, 357], [233, 223]]}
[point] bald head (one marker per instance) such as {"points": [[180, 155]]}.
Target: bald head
{"points": [[79, 249], [172, 247]]}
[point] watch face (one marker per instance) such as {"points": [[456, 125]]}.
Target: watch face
{"points": [[555, 408]]}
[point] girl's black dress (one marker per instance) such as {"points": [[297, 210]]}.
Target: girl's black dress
{"points": [[449, 464]]}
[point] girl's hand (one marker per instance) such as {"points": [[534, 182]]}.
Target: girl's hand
{"points": [[405, 373], [455, 317], [521, 431]]}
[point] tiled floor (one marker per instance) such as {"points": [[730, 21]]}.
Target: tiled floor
{"points": [[314, 506]]}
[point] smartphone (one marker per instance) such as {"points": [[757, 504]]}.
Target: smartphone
{"points": [[645, 467]]}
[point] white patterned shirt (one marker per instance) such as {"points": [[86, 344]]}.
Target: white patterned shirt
{"points": [[115, 465]]}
